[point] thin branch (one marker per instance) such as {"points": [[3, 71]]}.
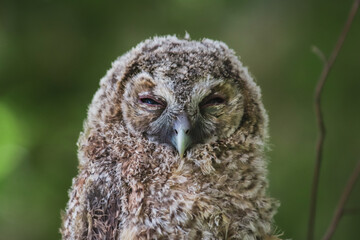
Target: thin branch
{"points": [[320, 119], [319, 53], [339, 212]]}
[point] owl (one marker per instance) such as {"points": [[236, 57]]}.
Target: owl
{"points": [[173, 147]]}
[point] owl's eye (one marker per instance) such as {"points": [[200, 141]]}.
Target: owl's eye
{"points": [[151, 101], [212, 101]]}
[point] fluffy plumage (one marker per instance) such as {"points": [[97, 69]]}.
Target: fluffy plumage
{"points": [[132, 184]]}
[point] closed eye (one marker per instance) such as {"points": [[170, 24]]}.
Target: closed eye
{"points": [[151, 101], [212, 101]]}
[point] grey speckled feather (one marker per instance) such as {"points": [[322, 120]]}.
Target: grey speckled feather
{"points": [[132, 184]]}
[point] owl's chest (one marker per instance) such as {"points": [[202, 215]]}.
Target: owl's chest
{"points": [[181, 205]]}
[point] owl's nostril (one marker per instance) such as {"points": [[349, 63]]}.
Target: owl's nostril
{"points": [[176, 132], [187, 131]]}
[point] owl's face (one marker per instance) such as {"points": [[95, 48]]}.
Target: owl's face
{"points": [[155, 107]]}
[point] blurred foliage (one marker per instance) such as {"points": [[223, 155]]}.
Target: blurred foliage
{"points": [[10, 142], [53, 53]]}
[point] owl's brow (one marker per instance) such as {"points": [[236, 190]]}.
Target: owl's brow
{"points": [[208, 88]]}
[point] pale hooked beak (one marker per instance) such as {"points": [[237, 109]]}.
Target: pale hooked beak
{"points": [[181, 137]]}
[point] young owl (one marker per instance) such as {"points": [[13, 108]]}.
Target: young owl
{"points": [[173, 148]]}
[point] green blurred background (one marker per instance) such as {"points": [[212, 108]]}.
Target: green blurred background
{"points": [[53, 54]]}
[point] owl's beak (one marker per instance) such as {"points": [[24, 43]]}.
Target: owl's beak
{"points": [[181, 138]]}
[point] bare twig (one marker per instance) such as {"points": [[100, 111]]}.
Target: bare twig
{"points": [[339, 211], [320, 54], [320, 119]]}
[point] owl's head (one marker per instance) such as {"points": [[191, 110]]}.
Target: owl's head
{"points": [[180, 93]]}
